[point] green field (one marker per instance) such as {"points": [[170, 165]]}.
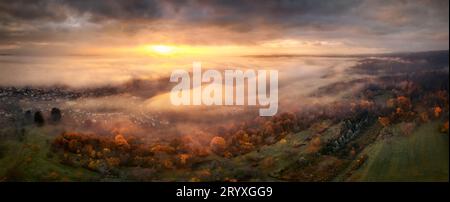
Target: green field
{"points": [[31, 160], [422, 156]]}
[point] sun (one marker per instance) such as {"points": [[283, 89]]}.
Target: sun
{"points": [[162, 49]]}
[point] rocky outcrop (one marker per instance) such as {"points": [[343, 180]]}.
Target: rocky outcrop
{"points": [[351, 129]]}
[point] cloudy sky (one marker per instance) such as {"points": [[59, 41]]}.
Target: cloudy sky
{"points": [[109, 27]]}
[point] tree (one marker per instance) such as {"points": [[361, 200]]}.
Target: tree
{"points": [[437, 111], [384, 121], [39, 118], [444, 128], [28, 117], [218, 145], [55, 115]]}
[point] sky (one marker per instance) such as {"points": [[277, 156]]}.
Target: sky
{"points": [[200, 27]]}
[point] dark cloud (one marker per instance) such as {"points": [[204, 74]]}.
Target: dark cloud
{"points": [[31, 10], [362, 21], [282, 13], [118, 10]]}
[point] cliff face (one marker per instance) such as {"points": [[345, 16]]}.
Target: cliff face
{"points": [[351, 128]]}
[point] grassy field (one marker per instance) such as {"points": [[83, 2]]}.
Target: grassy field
{"points": [[30, 160], [422, 156]]}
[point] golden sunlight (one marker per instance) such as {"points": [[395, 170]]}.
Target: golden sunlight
{"points": [[162, 49]]}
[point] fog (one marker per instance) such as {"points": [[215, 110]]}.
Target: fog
{"points": [[142, 105]]}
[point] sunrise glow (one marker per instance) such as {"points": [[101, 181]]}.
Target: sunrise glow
{"points": [[162, 49], [223, 91]]}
